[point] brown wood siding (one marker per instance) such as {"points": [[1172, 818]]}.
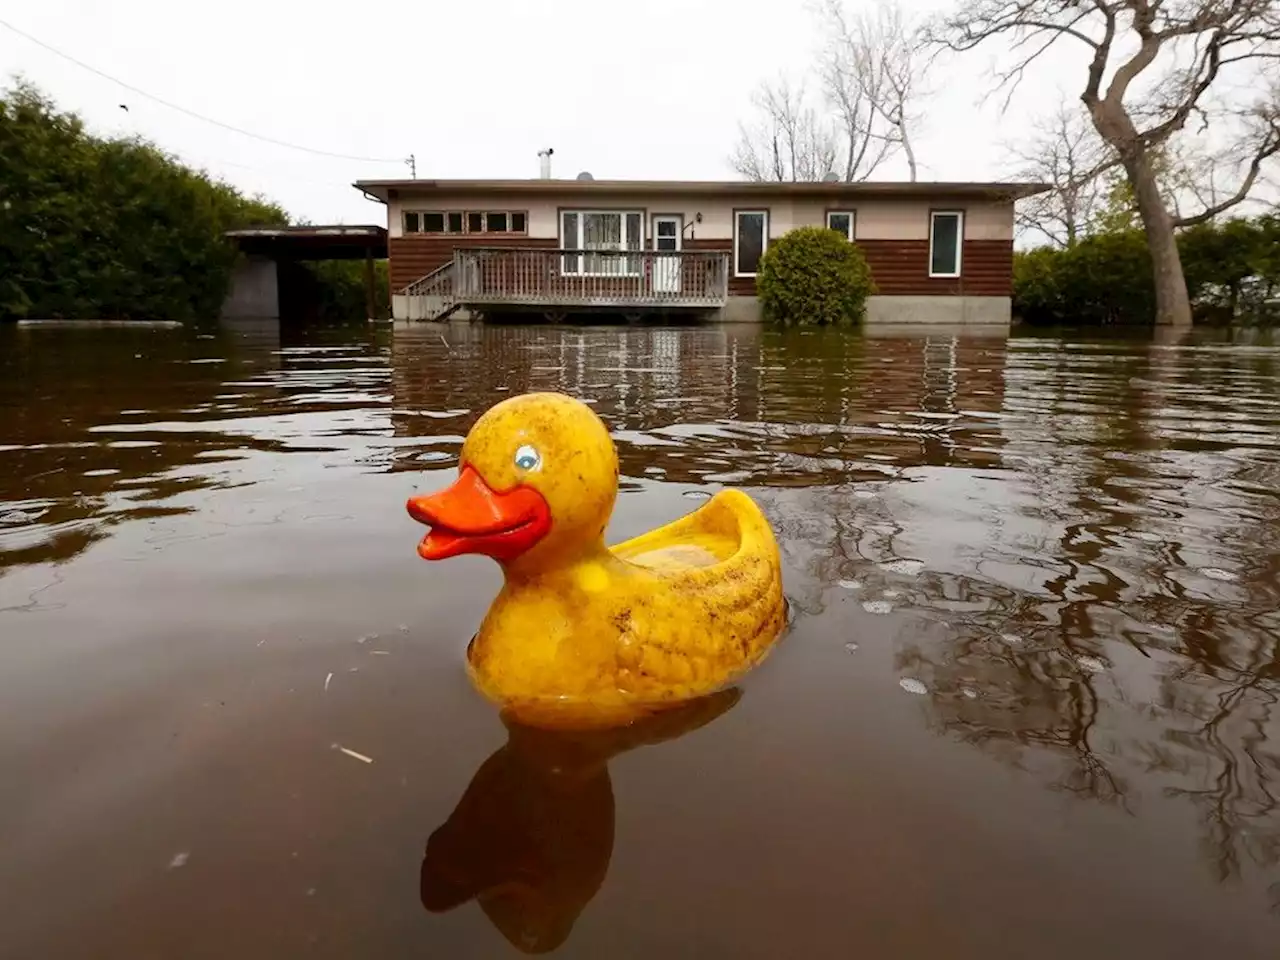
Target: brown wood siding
{"points": [[414, 256], [901, 268]]}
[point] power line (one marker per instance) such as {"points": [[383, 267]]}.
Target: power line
{"points": [[192, 113]]}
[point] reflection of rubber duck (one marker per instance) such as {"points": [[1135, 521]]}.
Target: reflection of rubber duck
{"points": [[531, 838], [578, 627]]}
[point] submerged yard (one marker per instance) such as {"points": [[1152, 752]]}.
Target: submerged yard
{"points": [[1025, 707]]}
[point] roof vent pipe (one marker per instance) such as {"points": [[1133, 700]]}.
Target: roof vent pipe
{"points": [[545, 157]]}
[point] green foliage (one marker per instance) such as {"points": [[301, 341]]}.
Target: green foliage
{"points": [[1103, 279], [1119, 211], [814, 276], [1231, 268], [1120, 204], [95, 228]]}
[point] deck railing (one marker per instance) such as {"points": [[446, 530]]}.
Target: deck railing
{"points": [[600, 278], [432, 297]]}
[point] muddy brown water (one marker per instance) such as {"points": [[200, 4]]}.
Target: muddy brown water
{"points": [[1026, 708]]}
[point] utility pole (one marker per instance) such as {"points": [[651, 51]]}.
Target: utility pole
{"points": [[412, 164]]}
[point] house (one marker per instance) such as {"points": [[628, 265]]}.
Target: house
{"points": [[939, 252]]}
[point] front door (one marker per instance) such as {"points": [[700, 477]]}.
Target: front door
{"points": [[666, 239]]}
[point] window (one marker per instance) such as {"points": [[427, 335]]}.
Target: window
{"points": [[750, 240], [842, 221], [606, 231], [465, 221], [946, 233]]}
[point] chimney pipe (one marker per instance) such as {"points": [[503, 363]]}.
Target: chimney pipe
{"points": [[545, 157]]}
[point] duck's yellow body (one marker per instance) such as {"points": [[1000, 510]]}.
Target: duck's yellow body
{"points": [[581, 631]]}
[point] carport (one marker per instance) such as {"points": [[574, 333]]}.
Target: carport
{"points": [[266, 282]]}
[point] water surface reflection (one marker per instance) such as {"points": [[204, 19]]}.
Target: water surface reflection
{"points": [[531, 838], [1027, 705]]}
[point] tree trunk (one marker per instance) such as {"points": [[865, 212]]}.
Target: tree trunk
{"points": [[1173, 305], [906, 146]]}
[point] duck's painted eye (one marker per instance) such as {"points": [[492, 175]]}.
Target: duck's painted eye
{"points": [[527, 458]]}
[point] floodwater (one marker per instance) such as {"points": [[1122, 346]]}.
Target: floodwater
{"points": [[1026, 706]]}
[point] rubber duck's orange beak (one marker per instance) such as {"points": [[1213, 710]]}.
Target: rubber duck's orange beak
{"points": [[471, 517]]}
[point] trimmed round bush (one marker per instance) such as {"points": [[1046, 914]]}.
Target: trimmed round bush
{"points": [[814, 276]]}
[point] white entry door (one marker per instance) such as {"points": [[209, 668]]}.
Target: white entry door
{"points": [[667, 232]]}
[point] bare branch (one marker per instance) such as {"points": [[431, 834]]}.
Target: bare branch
{"points": [[1263, 145], [869, 69], [787, 140], [1065, 152], [1197, 39]]}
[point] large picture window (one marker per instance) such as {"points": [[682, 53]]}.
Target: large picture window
{"points": [[946, 237], [750, 240], [609, 231]]}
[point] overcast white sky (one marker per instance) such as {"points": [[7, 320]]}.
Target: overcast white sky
{"points": [[474, 88]]}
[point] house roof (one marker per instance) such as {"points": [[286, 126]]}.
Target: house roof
{"points": [[380, 189]]}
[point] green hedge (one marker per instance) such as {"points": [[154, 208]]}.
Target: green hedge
{"points": [[1231, 269], [814, 276], [93, 228]]}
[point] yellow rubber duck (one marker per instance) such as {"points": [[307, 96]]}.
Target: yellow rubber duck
{"points": [[581, 633]]}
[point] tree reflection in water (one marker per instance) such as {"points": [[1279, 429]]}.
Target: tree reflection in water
{"points": [[1062, 501], [1126, 623], [1089, 529]]}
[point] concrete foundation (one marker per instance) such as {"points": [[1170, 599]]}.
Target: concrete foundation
{"points": [[901, 311], [740, 310], [940, 311], [882, 312], [255, 290]]}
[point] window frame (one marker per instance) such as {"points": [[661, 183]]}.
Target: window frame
{"points": [[852, 214], [466, 215], [959, 259], [737, 237], [580, 258]]}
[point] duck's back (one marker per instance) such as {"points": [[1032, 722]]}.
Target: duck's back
{"points": [[707, 603]]}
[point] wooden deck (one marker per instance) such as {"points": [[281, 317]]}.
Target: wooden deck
{"points": [[557, 281]]}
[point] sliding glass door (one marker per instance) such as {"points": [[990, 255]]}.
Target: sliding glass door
{"points": [[609, 231]]}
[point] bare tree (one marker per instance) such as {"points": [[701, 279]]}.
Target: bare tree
{"points": [[788, 140], [870, 69], [1066, 153], [1201, 46]]}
